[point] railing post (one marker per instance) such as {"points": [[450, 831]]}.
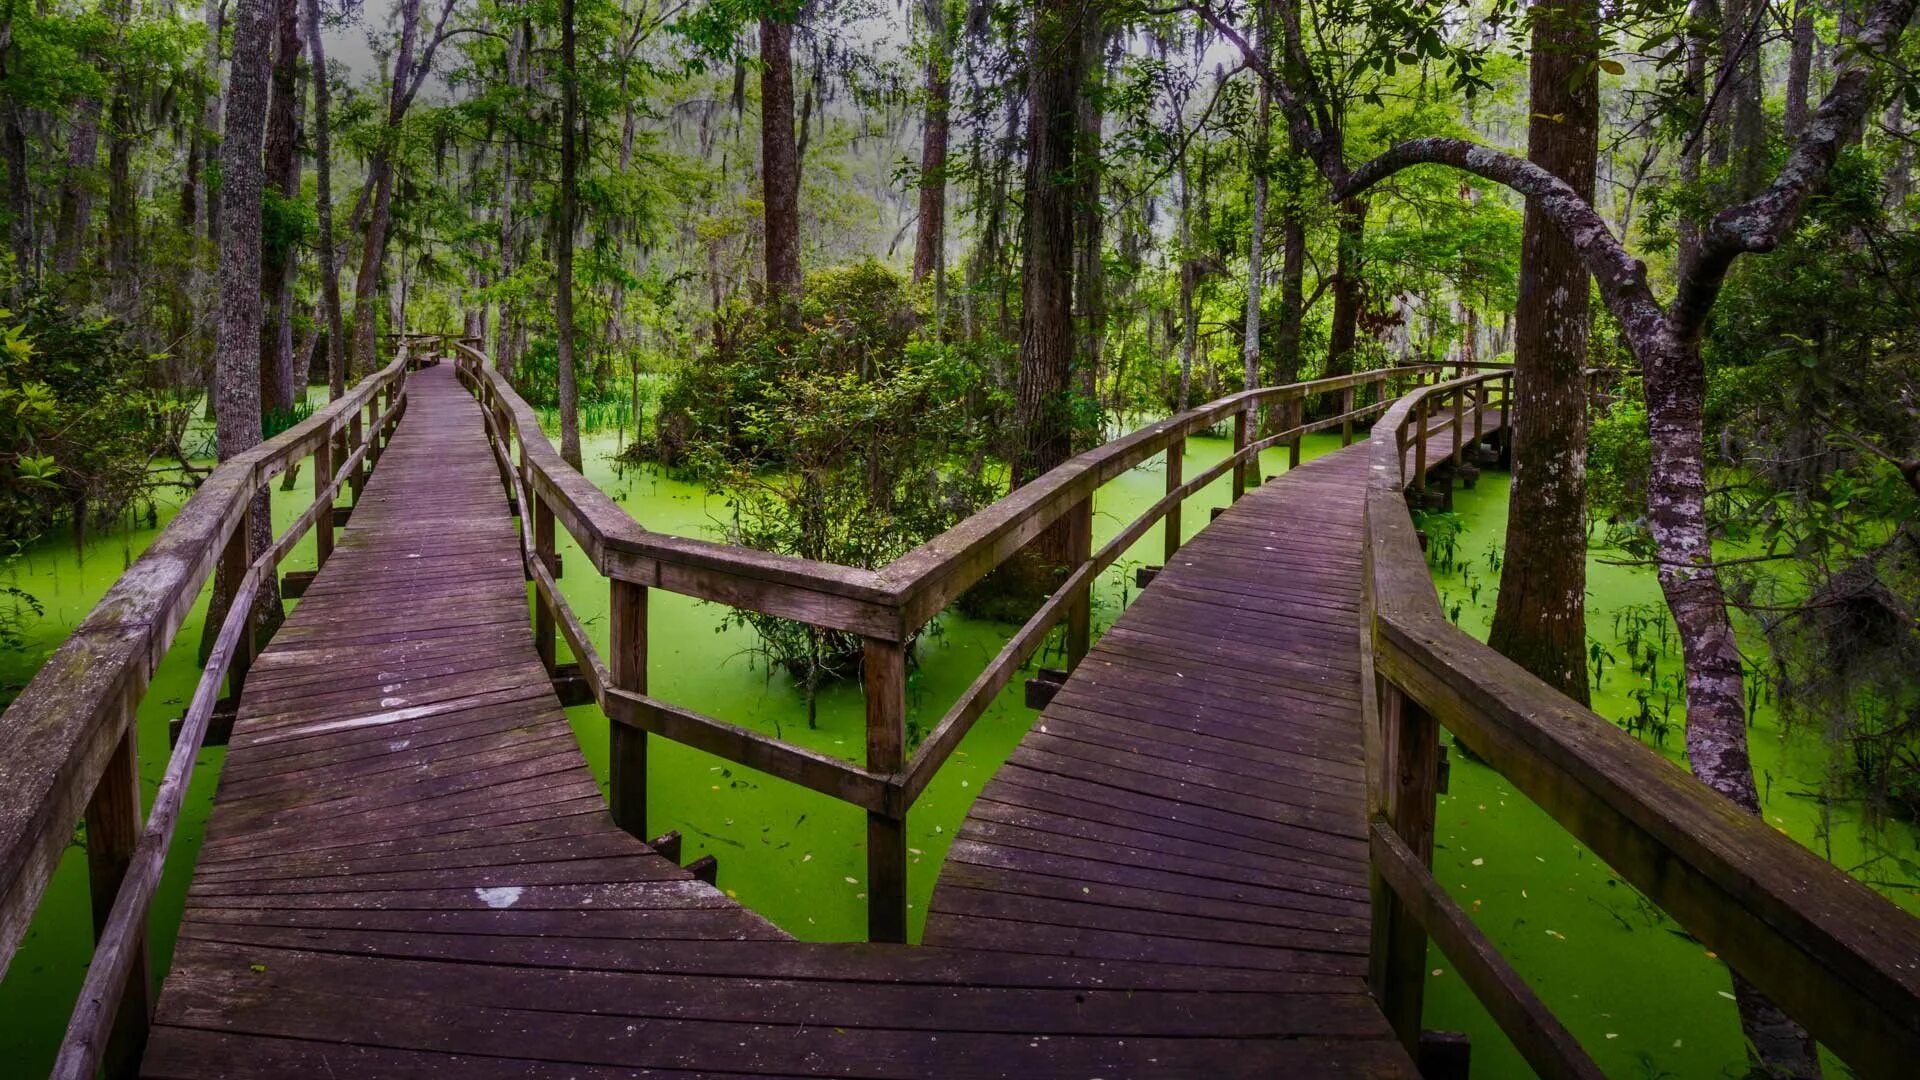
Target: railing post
{"points": [[1459, 423], [543, 552], [234, 559], [1296, 416], [1506, 424], [1479, 411], [627, 668], [356, 438], [885, 671], [375, 443], [1410, 756], [1346, 409], [1176, 464], [114, 824], [1239, 446], [323, 522], [1420, 446], [1080, 610]]}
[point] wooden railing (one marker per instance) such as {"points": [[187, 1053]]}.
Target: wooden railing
{"points": [[67, 744], [885, 607], [1840, 959]]}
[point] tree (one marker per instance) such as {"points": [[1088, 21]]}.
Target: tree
{"points": [[1256, 264], [563, 230], [278, 382], [779, 156], [237, 338], [323, 166], [1540, 618], [1044, 405], [929, 243], [411, 65]]}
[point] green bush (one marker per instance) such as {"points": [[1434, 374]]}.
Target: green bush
{"points": [[77, 419], [842, 436]]}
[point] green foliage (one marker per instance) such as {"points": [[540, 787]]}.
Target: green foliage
{"points": [[1618, 457], [844, 438], [76, 419]]}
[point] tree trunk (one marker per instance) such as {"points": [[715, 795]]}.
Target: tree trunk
{"points": [[1293, 307], [1256, 235], [1799, 67], [123, 222], [237, 337], [930, 236], [1741, 90], [1343, 338], [13, 147], [206, 212], [1189, 274], [366, 320], [1089, 273], [1716, 710], [569, 389], [1540, 616], [373, 251], [779, 160], [1043, 412], [277, 391], [1900, 172], [75, 215], [323, 165]]}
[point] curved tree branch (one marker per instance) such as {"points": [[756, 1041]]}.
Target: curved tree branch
{"points": [[1761, 223], [1622, 278]]}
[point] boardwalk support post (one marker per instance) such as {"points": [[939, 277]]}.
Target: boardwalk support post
{"points": [[1296, 417], [1176, 463], [1346, 410], [1410, 760], [1239, 448], [1080, 612], [234, 559], [1459, 426], [355, 437], [885, 670], [114, 824], [323, 524], [627, 746], [1420, 448], [543, 551]]}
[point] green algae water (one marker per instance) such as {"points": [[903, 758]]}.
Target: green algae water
{"points": [[793, 855], [1644, 998]]}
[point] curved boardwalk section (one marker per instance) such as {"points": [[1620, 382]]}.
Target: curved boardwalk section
{"points": [[409, 871], [1193, 797]]}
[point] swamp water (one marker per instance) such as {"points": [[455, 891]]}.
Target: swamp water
{"points": [[1642, 996], [798, 857]]}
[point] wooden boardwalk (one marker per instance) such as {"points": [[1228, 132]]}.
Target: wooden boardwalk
{"points": [[410, 872], [1194, 794]]}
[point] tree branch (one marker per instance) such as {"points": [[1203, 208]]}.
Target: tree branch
{"points": [[1622, 278], [1759, 224]]}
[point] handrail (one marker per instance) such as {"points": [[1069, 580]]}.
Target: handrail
{"points": [[67, 743], [1839, 958], [886, 607]]}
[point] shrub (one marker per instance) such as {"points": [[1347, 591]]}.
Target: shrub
{"points": [[77, 419], [842, 437]]}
